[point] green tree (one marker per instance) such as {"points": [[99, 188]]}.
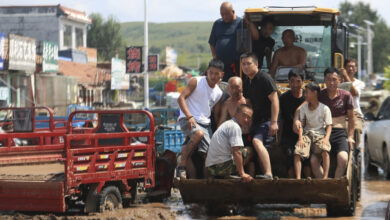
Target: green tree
{"points": [[105, 35], [387, 75], [356, 13]]}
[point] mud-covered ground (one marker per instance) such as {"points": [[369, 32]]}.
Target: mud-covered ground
{"points": [[144, 211], [375, 196], [373, 204]]}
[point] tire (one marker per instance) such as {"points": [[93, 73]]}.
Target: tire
{"points": [[368, 167], [109, 199], [386, 163], [358, 157], [387, 217], [92, 200], [134, 196]]}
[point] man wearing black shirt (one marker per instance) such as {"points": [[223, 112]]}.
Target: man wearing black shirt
{"points": [[263, 44], [289, 102], [261, 90]]}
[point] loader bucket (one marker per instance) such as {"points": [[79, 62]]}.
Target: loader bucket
{"points": [[281, 191]]}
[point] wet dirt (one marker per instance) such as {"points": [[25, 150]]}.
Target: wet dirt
{"points": [[142, 212], [375, 196], [373, 204]]}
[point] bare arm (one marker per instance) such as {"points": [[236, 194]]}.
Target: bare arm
{"points": [[296, 123], [182, 101], [217, 111], [300, 142], [275, 64], [252, 28], [224, 114], [273, 97], [328, 132], [237, 157], [302, 60], [351, 128], [268, 56], [212, 48], [353, 91]]}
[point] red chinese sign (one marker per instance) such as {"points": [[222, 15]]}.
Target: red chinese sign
{"points": [[153, 63], [133, 59]]}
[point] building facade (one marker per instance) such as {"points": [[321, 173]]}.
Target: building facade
{"points": [[64, 26]]}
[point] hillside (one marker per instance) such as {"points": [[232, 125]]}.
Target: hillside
{"points": [[189, 39]]}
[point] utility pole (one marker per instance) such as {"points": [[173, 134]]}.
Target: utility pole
{"points": [[370, 35], [359, 43], [146, 50], [359, 38], [359, 52]]}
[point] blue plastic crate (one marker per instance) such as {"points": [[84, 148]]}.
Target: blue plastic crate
{"points": [[172, 140]]}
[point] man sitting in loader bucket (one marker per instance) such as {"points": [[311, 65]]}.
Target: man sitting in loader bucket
{"points": [[227, 142], [342, 136]]}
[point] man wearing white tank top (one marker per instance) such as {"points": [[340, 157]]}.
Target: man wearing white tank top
{"points": [[196, 103]]}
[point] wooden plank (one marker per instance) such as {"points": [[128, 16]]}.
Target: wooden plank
{"points": [[283, 191]]}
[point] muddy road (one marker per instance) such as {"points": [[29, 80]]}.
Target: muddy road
{"points": [[375, 196]]}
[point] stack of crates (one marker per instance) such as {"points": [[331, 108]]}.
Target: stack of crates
{"points": [[173, 139], [168, 139]]}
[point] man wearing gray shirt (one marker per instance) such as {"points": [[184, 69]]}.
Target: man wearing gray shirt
{"points": [[226, 154]]}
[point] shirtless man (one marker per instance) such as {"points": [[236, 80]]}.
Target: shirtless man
{"points": [[236, 99], [289, 55], [229, 110]]}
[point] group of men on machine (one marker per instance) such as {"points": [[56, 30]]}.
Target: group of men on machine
{"points": [[315, 123]]}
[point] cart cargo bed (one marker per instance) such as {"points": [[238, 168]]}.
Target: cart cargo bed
{"points": [[33, 172]]}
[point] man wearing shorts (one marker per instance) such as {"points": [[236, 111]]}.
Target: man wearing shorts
{"points": [[314, 137], [340, 103], [261, 91], [227, 155], [196, 102]]}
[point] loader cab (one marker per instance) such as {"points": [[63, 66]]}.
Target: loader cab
{"points": [[317, 30]]}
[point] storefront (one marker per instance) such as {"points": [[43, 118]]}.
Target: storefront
{"points": [[21, 67]]}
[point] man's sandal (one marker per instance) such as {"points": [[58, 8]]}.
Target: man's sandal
{"points": [[181, 172]]}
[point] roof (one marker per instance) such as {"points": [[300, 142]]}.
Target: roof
{"points": [[293, 10], [85, 73], [68, 12], [75, 15]]}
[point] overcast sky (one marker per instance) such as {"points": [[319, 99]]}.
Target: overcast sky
{"points": [[184, 10]]}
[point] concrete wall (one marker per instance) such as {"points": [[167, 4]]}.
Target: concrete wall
{"points": [[40, 27]]}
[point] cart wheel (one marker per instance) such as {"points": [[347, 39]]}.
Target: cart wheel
{"points": [[134, 193], [91, 203], [359, 174], [387, 217], [110, 199]]}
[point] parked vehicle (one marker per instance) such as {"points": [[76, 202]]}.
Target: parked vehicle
{"points": [[377, 139], [99, 167]]}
